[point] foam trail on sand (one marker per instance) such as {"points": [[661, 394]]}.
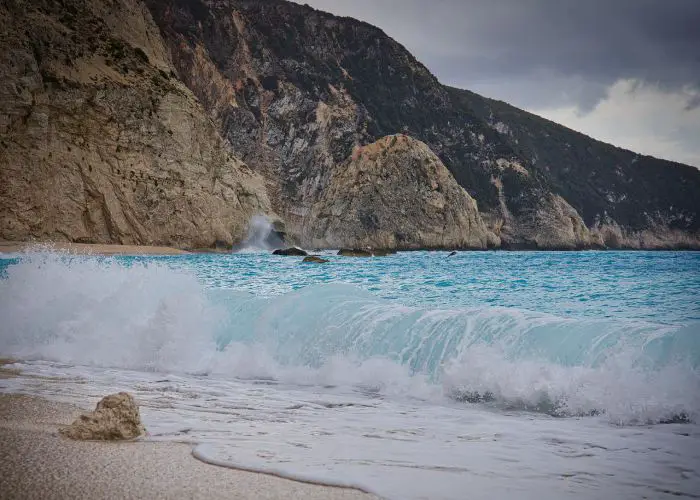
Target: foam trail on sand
{"points": [[205, 454], [151, 317]]}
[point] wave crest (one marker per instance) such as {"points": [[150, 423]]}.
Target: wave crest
{"points": [[149, 316]]}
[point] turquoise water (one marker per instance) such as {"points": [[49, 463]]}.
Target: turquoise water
{"points": [[660, 287], [418, 375], [422, 310]]}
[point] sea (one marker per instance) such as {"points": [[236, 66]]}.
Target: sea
{"points": [[484, 375]]}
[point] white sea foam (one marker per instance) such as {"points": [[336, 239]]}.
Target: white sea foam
{"points": [[398, 448]]}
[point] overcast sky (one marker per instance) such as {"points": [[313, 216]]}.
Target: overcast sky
{"points": [[623, 71]]}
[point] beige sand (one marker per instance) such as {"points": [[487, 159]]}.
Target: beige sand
{"points": [[85, 248], [36, 463]]}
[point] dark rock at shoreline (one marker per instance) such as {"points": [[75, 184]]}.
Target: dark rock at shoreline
{"points": [[290, 252], [315, 259], [383, 252]]}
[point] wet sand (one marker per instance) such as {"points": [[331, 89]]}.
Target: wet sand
{"points": [[88, 248], [37, 463]]}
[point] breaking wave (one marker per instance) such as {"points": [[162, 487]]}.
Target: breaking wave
{"points": [[151, 317]]}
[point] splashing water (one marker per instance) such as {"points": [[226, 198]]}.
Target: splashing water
{"points": [[261, 235]]}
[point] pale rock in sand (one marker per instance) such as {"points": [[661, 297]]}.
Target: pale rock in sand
{"points": [[115, 418]]}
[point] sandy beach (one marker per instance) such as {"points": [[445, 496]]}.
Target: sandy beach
{"points": [[36, 462], [89, 248]]}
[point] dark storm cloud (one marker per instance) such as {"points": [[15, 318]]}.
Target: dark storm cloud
{"points": [[560, 50]]}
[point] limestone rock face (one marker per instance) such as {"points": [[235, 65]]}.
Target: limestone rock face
{"points": [[557, 225], [553, 225], [609, 234], [101, 143], [115, 418], [395, 193]]}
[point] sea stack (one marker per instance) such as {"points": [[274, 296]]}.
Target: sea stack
{"points": [[395, 194]]}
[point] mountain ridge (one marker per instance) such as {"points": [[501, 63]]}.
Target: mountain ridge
{"points": [[586, 136]]}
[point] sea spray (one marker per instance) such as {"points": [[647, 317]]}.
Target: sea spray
{"points": [[261, 235]]}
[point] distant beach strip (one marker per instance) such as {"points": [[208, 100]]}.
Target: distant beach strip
{"points": [[88, 248]]}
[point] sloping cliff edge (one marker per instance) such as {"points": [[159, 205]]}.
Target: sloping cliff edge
{"points": [[171, 122], [99, 140]]}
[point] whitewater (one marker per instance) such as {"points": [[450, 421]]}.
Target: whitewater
{"points": [[417, 375]]}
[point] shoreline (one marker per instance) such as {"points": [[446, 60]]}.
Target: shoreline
{"points": [[110, 249], [36, 462]]}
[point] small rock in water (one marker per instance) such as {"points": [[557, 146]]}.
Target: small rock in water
{"points": [[315, 259], [115, 418], [354, 252], [290, 252]]}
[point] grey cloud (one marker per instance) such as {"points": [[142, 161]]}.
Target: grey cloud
{"points": [[574, 49], [693, 103]]}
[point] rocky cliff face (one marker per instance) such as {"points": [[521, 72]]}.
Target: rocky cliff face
{"points": [[296, 90], [173, 121], [365, 202], [101, 143]]}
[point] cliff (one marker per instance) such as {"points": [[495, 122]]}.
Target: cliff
{"points": [[101, 143], [296, 90], [174, 121]]}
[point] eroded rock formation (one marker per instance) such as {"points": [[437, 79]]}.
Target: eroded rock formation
{"points": [[395, 193]]}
